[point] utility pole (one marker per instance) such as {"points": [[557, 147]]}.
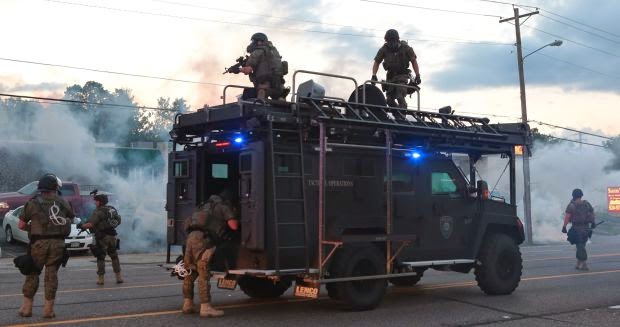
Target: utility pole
{"points": [[527, 199]]}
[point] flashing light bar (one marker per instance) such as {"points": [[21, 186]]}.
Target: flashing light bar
{"points": [[222, 144]]}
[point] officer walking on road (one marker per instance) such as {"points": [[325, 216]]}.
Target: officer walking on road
{"points": [[580, 214], [208, 223], [103, 222], [265, 68], [50, 218], [396, 56]]}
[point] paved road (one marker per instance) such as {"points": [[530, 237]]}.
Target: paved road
{"points": [[551, 293]]}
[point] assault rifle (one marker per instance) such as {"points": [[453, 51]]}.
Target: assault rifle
{"points": [[234, 69]]}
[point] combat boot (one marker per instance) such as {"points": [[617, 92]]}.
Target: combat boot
{"points": [[119, 279], [584, 266], [578, 265], [206, 310], [48, 309], [188, 306], [26, 309], [100, 280]]}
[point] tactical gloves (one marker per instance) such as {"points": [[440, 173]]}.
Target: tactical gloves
{"points": [[417, 80], [374, 79], [564, 229]]}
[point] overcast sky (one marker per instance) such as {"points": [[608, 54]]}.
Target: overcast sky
{"points": [[467, 58]]}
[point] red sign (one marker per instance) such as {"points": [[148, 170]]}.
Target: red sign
{"points": [[613, 199]]}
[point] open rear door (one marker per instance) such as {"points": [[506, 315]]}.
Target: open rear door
{"points": [[181, 193], [252, 192]]}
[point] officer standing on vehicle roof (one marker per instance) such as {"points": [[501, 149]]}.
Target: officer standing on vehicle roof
{"points": [[50, 218], [580, 214], [103, 222], [396, 56], [210, 221], [265, 68]]}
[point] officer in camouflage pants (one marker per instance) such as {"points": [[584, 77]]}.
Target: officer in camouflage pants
{"points": [[205, 227], [50, 218], [105, 237]]}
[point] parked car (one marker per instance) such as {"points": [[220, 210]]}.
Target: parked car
{"points": [[75, 194], [76, 241]]}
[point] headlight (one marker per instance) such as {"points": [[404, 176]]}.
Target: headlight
{"points": [[4, 205]]}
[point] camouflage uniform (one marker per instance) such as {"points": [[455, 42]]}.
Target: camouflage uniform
{"points": [[267, 75], [206, 224], [397, 66], [581, 215], [50, 218], [105, 236]]}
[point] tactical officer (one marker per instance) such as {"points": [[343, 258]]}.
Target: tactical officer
{"points": [[50, 218], [396, 56], [580, 214], [265, 68], [209, 222], [103, 222]]}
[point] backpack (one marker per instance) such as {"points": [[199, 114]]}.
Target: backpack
{"points": [[397, 63], [582, 213], [112, 216]]}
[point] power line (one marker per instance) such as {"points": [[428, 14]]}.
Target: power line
{"points": [[580, 29], [580, 23], [571, 129], [403, 36], [508, 3], [278, 28], [433, 9], [82, 102], [574, 141], [109, 72], [576, 65]]}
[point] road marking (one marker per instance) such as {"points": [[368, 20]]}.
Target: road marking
{"points": [[155, 313], [561, 258], [104, 288], [294, 300]]}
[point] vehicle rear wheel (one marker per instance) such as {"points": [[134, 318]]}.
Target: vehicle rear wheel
{"points": [[263, 288], [9, 235], [407, 281], [500, 265], [353, 261]]}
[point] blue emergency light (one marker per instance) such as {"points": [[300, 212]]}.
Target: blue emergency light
{"points": [[415, 155]]}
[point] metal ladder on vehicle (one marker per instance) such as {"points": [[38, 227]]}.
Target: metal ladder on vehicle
{"points": [[289, 193], [392, 117]]}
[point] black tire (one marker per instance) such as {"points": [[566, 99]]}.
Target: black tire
{"points": [[263, 288], [9, 235], [500, 265], [354, 261], [408, 281]]}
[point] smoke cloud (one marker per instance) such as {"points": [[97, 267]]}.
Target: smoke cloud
{"points": [[59, 141]]}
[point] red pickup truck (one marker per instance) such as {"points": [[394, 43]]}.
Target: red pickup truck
{"points": [[79, 198]]}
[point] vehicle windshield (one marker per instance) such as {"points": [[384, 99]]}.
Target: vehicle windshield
{"points": [[29, 189]]}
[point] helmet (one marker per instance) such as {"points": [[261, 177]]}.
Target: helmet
{"points": [[49, 182], [101, 198], [392, 35], [259, 37], [577, 193]]}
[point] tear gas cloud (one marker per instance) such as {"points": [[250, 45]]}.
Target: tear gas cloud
{"points": [[59, 141], [555, 170]]}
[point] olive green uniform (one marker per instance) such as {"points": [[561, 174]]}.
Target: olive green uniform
{"points": [[206, 223], [267, 68], [105, 238], [50, 220], [396, 63], [581, 215]]}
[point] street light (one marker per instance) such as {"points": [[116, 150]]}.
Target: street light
{"points": [[527, 198]]}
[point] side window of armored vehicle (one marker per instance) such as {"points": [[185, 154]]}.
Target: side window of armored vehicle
{"points": [[402, 177], [442, 183], [358, 167], [181, 169], [219, 171]]}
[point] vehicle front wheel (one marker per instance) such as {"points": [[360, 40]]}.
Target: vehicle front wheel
{"points": [[9, 235], [355, 261], [263, 288], [500, 264]]}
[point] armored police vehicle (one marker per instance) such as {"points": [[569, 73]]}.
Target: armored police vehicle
{"points": [[347, 193]]}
